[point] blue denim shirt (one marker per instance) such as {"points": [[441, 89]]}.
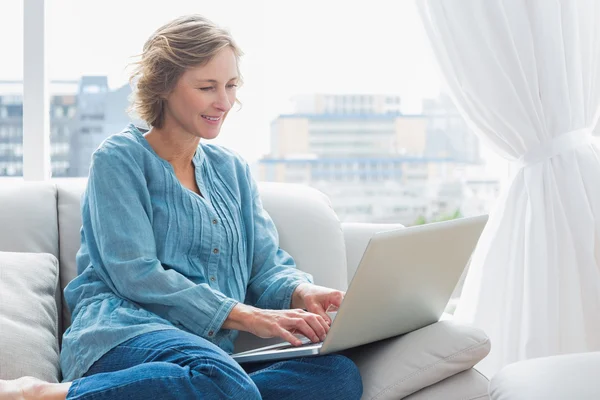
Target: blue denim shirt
{"points": [[155, 255]]}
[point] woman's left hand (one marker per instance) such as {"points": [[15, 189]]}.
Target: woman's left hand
{"points": [[317, 299]]}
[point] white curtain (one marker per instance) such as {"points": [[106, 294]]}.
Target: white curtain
{"points": [[525, 74]]}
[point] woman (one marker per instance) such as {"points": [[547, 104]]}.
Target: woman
{"points": [[177, 254]]}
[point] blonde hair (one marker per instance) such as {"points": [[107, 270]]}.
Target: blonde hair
{"points": [[185, 42]]}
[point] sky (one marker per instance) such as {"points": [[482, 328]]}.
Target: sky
{"points": [[291, 47]]}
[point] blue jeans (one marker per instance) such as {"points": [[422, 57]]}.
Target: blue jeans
{"points": [[174, 364]]}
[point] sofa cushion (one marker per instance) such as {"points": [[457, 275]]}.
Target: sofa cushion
{"points": [[28, 215], [397, 367], [29, 219], [69, 192], [309, 230], [28, 316]]}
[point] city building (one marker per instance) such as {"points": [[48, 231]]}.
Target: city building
{"points": [[11, 129], [82, 114], [375, 163], [62, 111], [447, 132], [63, 106], [346, 104], [100, 113]]}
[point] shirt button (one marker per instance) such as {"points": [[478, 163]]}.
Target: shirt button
{"points": [[211, 333], [216, 251], [215, 221], [212, 278]]}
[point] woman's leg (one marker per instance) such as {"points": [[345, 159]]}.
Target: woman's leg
{"points": [[167, 364], [328, 377]]}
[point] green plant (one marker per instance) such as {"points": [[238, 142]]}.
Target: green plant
{"points": [[421, 220]]}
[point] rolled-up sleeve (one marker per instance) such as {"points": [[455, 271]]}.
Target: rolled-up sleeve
{"points": [[117, 223], [274, 274]]}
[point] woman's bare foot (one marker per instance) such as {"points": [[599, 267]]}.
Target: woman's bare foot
{"points": [[30, 388], [13, 390]]}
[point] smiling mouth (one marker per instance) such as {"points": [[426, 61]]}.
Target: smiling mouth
{"points": [[211, 118]]}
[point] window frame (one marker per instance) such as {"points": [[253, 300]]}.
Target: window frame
{"points": [[36, 100]]}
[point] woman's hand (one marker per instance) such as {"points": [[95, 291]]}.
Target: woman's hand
{"points": [[317, 299], [277, 323]]}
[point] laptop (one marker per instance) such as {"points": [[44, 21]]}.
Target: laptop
{"points": [[403, 283]]}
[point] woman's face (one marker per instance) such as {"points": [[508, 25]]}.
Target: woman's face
{"points": [[203, 96]]}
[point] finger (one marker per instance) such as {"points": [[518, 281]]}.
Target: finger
{"points": [[317, 323], [323, 320], [303, 326], [288, 337], [336, 298], [326, 325], [318, 309], [326, 318]]}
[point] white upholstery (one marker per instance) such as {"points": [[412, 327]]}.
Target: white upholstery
{"points": [[69, 224], [28, 217], [28, 315], [29, 220], [573, 376], [309, 230], [436, 352]]}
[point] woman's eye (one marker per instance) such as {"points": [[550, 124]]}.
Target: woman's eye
{"points": [[206, 89]]}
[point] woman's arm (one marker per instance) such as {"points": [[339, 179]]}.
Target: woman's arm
{"points": [[117, 222]]}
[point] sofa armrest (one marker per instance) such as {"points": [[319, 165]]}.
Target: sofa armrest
{"points": [[572, 376], [397, 367], [356, 236]]}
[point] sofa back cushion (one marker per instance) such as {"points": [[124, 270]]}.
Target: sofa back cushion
{"points": [[308, 229], [28, 217], [29, 316], [69, 192]]}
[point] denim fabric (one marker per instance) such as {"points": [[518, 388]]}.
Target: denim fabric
{"points": [[174, 364], [155, 255]]}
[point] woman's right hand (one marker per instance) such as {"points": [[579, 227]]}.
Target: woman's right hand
{"points": [[277, 323]]}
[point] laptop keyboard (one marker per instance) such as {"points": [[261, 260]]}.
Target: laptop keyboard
{"points": [[305, 343], [282, 346]]}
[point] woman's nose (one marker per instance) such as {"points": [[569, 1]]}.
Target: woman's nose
{"points": [[222, 102]]}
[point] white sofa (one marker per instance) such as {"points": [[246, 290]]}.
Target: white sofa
{"points": [[571, 376], [39, 237]]}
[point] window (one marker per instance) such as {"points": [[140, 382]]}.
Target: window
{"points": [[11, 89], [390, 128]]}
